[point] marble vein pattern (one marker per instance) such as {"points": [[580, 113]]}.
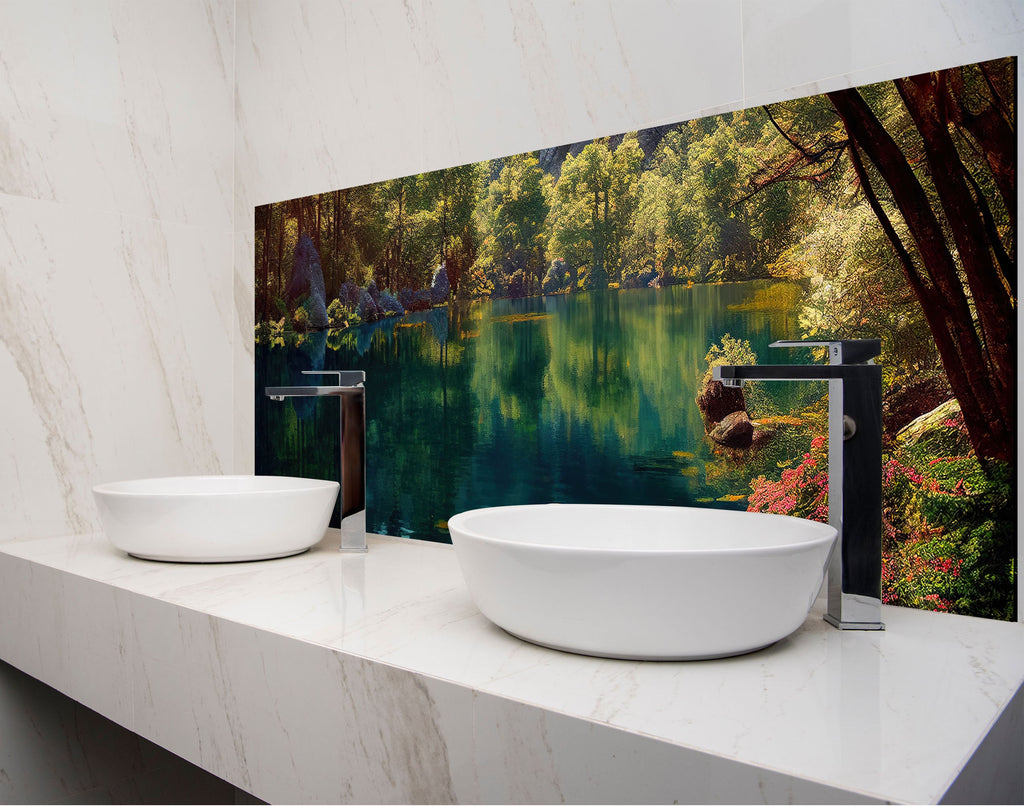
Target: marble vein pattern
{"points": [[411, 693], [109, 374], [103, 107], [116, 307], [785, 51]]}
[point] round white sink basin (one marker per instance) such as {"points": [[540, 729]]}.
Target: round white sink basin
{"points": [[639, 582], [210, 519]]}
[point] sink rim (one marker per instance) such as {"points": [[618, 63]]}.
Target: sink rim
{"points": [[273, 485], [215, 518], [682, 599], [825, 532]]}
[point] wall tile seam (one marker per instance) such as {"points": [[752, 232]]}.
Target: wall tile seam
{"points": [[240, 322]]}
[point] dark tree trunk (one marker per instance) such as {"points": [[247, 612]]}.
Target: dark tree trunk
{"points": [[925, 97], [316, 226], [279, 286], [971, 361], [336, 245], [992, 129], [401, 230], [263, 217], [444, 224], [299, 219], [606, 242]]}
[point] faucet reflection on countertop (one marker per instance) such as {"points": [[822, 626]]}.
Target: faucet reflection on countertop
{"points": [[854, 469], [351, 392]]}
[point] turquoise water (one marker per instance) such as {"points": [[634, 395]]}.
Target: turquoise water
{"points": [[582, 398]]}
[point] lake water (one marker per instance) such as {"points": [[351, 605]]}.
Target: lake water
{"points": [[581, 398]]}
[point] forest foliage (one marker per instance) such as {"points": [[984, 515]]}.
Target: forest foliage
{"points": [[610, 214], [891, 206]]}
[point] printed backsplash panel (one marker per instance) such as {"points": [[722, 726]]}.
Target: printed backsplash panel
{"points": [[541, 327]]}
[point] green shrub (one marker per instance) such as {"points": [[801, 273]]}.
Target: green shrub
{"points": [[948, 522], [341, 315]]}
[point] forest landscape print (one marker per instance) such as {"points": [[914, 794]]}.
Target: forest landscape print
{"points": [[542, 327]]}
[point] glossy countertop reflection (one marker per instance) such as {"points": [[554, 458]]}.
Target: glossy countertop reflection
{"points": [[892, 715]]}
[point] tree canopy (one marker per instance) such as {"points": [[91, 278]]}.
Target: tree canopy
{"points": [[894, 205]]}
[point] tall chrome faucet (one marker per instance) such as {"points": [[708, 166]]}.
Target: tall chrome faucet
{"points": [[351, 391], [854, 469]]}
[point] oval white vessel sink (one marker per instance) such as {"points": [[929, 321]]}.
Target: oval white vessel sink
{"points": [[638, 582], [211, 519]]}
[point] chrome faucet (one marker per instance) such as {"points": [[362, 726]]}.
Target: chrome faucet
{"points": [[352, 460], [854, 469]]}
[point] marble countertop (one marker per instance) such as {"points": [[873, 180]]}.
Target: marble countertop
{"points": [[895, 715]]}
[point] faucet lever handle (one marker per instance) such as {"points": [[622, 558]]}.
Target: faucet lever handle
{"points": [[845, 351], [325, 372], [342, 377]]}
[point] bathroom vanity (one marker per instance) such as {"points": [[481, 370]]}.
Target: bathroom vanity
{"points": [[372, 678]]}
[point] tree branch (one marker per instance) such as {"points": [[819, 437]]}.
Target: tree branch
{"points": [[952, 324], [783, 132], [921, 289], [1007, 266]]}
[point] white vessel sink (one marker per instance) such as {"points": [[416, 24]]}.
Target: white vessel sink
{"points": [[646, 583], [210, 519]]}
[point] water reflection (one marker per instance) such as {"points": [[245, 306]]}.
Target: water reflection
{"points": [[586, 398]]}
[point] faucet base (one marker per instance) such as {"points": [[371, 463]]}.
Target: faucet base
{"points": [[854, 625], [353, 531]]}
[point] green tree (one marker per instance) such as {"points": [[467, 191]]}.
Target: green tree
{"points": [[451, 196], [697, 217], [935, 158], [510, 222], [580, 230]]}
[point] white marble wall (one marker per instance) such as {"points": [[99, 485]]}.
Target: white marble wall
{"points": [[116, 316], [116, 311], [336, 94]]}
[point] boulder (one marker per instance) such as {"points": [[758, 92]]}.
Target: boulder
{"points": [[930, 422], [439, 285], [716, 401], [734, 431], [762, 436], [415, 300], [389, 304], [349, 294], [367, 307], [904, 402], [306, 286], [374, 292]]}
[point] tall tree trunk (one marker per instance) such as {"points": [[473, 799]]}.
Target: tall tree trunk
{"points": [[401, 230], [607, 250], [299, 219], [988, 414], [924, 97], [336, 245], [316, 230], [992, 129], [444, 224], [262, 216], [279, 289]]}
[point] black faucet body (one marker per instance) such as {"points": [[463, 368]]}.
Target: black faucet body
{"points": [[854, 470]]}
